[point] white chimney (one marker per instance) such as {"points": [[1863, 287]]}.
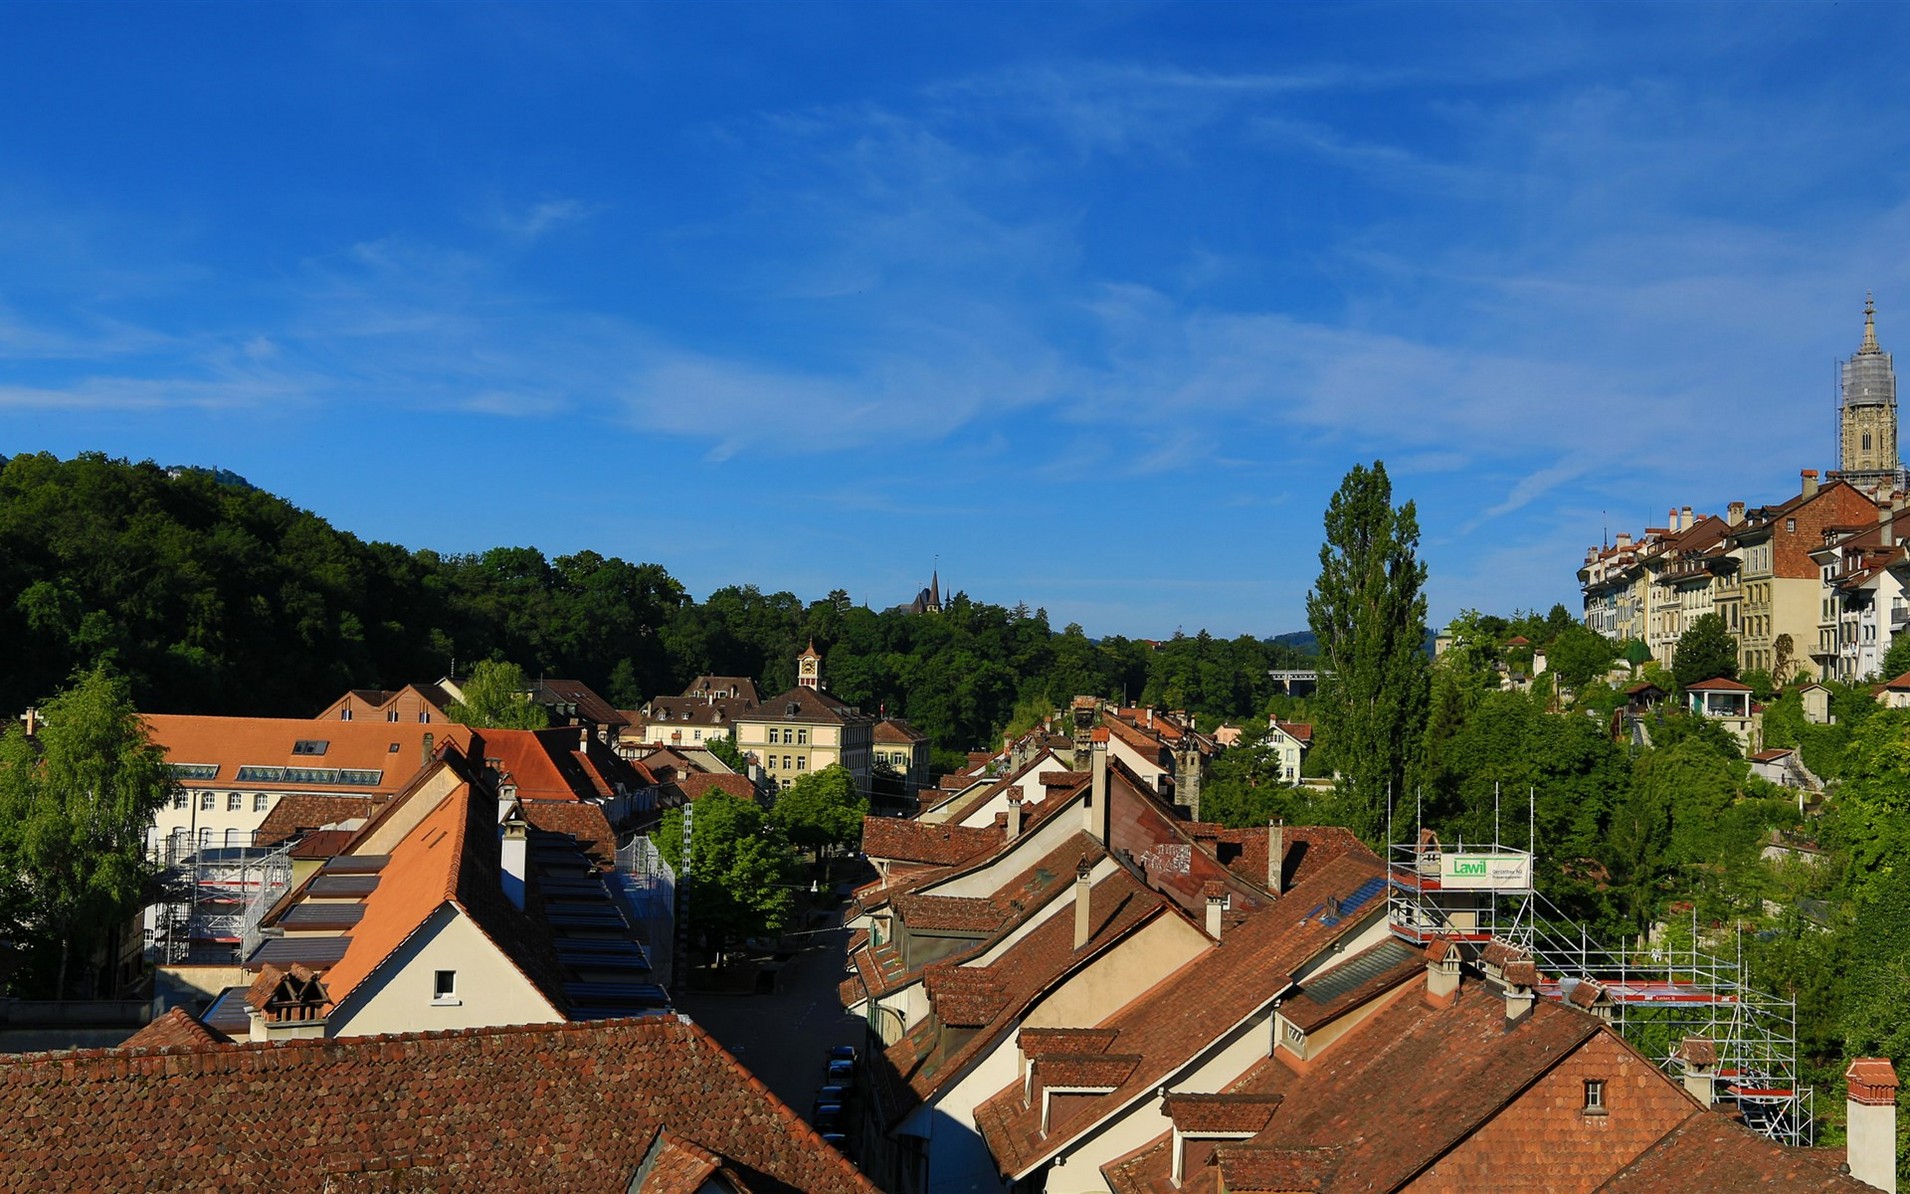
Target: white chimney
{"points": [[1809, 478], [1277, 857], [1095, 815], [1216, 905], [1872, 1122], [1688, 521], [1014, 814], [1083, 922], [514, 855]]}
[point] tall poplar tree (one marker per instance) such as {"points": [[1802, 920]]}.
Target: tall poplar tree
{"points": [[1368, 611]]}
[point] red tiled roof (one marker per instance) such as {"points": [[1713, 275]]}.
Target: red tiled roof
{"points": [[951, 913], [177, 1029], [584, 822], [1710, 1152], [1308, 848], [1107, 1070], [235, 742], [894, 729], [1207, 1113], [925, 841], [1717, 684], [1039, 1042], [1189, 1011], [543, 1107], [698, 784], [295, 811]]}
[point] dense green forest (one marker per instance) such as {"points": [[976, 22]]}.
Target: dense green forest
{"points": [[216, 597]]}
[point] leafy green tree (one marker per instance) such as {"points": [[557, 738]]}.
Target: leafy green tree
{"points": [[494, 698], [1578, 655], [1896, 661], [1706, 650], [1368, 612], [75, 803], [821, 810], [724, 747], [1244, 786], [742, 881]]}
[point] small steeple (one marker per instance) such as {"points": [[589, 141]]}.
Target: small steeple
{"points": [[809, 668], [1870, 325]]}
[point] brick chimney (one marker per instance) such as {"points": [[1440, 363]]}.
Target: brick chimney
{"points": [[1083, 922], [1277, 857], [1520, 978], [1699, 1058], [1872, 1121], [1809, 478], [1216, 893]]}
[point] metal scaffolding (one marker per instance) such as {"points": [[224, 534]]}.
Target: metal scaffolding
{"points": [[1657, 997], [215, 898]]}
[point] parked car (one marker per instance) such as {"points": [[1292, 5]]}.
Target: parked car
{"points": [[827, 1117], [834, 1093]]}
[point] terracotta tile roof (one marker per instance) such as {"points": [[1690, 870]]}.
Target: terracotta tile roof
{"points": [[1117, 905], [1107, 1070], [895, 730], [1248, 1169], [544, 1107], [296, 811], [177, 1029], [1308, 848], [1710, 1152], [950, 913], [358, 746], [1299, 730], [1190, 1009], [1040, 1042], [590, 707], [805, 705], [698, 784], [418, 878], [1771, 756], [555, 764], [925, 841], [676, 1166], [584, 822], [1209, 1113], [1717, 684], [1465, 1066]]}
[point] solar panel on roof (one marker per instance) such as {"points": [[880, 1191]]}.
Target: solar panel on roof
{"points": [[1361, 895], [1354, 971], [316, 952]]}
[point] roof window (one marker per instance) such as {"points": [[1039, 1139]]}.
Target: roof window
{"points": [[310, 746]]}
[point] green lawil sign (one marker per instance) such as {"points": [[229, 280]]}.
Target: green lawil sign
{"points": [[1485, 872]]}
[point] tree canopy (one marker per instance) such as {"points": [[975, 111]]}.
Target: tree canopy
{"points": [[742, 877], [1706, 650], [1368, 612], [75, 803], [821, 810], [496, 697]]}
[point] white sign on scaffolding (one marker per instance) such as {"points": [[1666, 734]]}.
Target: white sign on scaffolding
{"points": [[1486, 872]]}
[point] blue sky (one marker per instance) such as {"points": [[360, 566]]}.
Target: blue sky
{"points": [[1091, 304]]}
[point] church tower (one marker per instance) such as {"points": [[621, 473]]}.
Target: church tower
{"points": [[1867, 414], [809, 668]]}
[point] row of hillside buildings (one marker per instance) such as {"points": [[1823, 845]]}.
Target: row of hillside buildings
{"points": [[1073, 985], [1811, 586]]}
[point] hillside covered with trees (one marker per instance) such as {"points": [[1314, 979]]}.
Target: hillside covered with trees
{"points": [[212, 596]]}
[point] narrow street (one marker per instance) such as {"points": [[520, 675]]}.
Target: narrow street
{"points": [[785, 1038]]}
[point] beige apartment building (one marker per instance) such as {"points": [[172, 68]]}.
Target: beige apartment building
{"points": [[806, 729], [1782, 587]]}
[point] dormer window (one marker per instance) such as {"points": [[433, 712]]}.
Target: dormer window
{"points": [[1594, 1096]]}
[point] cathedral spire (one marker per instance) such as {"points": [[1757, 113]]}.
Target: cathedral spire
{"points": [[1870, 325]]}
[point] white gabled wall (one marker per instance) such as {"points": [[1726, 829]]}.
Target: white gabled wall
{"points": [[397, 997]]}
